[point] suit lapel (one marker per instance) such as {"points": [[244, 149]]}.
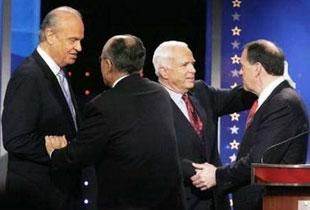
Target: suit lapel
{"points": [[200, 111], [203, 116], [264, 106], [55, 87], [179, 115]]}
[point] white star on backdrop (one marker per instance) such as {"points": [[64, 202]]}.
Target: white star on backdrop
{"points": [[236, 3], [235, 73], [233, 158], [235, 44], [236, 31], [235, 116], [234, 144], [236, 16], [235, 59], [234, 129]]}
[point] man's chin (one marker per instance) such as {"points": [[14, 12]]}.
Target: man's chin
{"points": [[71, 61]]}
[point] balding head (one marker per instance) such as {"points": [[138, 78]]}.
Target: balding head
{"points": [[268, 54], [61, 34], [55, 18], [126, 52]]}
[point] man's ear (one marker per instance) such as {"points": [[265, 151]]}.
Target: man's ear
{"points": [[50, 36], [109, 65], [258, 69], [163, 72]]}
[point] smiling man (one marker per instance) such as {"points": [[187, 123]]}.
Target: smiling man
{"points": [[196, 108], [40, 102]]}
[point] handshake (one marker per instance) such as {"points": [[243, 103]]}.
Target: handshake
{"points": [[54, 142], [205, 177]]}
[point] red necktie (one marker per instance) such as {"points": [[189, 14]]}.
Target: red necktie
{"points": [[251, 114], [193, 116]]}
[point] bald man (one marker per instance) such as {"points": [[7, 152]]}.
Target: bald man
{"points": [[39, 102], [128, 134]]}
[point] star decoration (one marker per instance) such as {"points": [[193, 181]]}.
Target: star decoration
{"points": [[233, 158], [234, 129], [235, 59], [236, 31], [231, 203], [236, 16], [236, 3], [235, 44], [235, 73], [234, 85], [234, 144], [235, 116]]}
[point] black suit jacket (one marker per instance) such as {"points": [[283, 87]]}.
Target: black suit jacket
{"points": [[210, 103], [34, 106], [281, 116], [127, 132]]}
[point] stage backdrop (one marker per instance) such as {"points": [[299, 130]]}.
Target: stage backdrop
{"points": [[286, 23]]}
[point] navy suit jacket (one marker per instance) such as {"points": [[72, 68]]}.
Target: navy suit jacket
{"points": [[34, 106], [210, 103], [281, 116]]}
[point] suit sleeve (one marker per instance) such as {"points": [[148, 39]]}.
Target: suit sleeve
{"points": [[20, 115], [225, 101], [281, 121], [89, 144]]}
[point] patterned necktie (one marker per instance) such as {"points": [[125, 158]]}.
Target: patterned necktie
{"points": [[194, 119], [65, 89], [251, 114]]}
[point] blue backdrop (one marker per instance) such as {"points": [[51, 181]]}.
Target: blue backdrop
{"points": [[24, 29]]}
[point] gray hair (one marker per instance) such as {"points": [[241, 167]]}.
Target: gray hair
{"points": [[52, 19], [163, 54]]}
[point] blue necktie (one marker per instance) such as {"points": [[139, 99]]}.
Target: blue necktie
{"points": [[65, 89]]}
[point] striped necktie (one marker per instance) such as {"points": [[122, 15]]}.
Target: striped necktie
{"points": [[194, 119]]}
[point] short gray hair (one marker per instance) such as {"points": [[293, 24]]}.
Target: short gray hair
{"points": [[52, 19], [162, 55]]}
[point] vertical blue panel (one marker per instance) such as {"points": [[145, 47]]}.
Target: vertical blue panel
{"points": [[25, 28], [232, 126]]}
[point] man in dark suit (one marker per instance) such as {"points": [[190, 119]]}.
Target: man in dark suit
{"points": [[40, 102], [280, 114], [197, 129], [127, 132]]}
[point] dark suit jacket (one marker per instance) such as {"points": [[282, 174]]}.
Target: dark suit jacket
{"points": [[34, 106], [210, 103], [127, 132], [281, 116]]}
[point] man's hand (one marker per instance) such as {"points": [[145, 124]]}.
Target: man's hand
{"points": [[54, 142], [205, 176]]}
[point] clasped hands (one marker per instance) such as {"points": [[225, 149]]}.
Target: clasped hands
{"points": [[205, 176], [54, 142]]}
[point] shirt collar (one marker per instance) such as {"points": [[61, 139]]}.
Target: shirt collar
{"points": [[119, 79], [175, 96], [48, 60], [268, 90]]}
